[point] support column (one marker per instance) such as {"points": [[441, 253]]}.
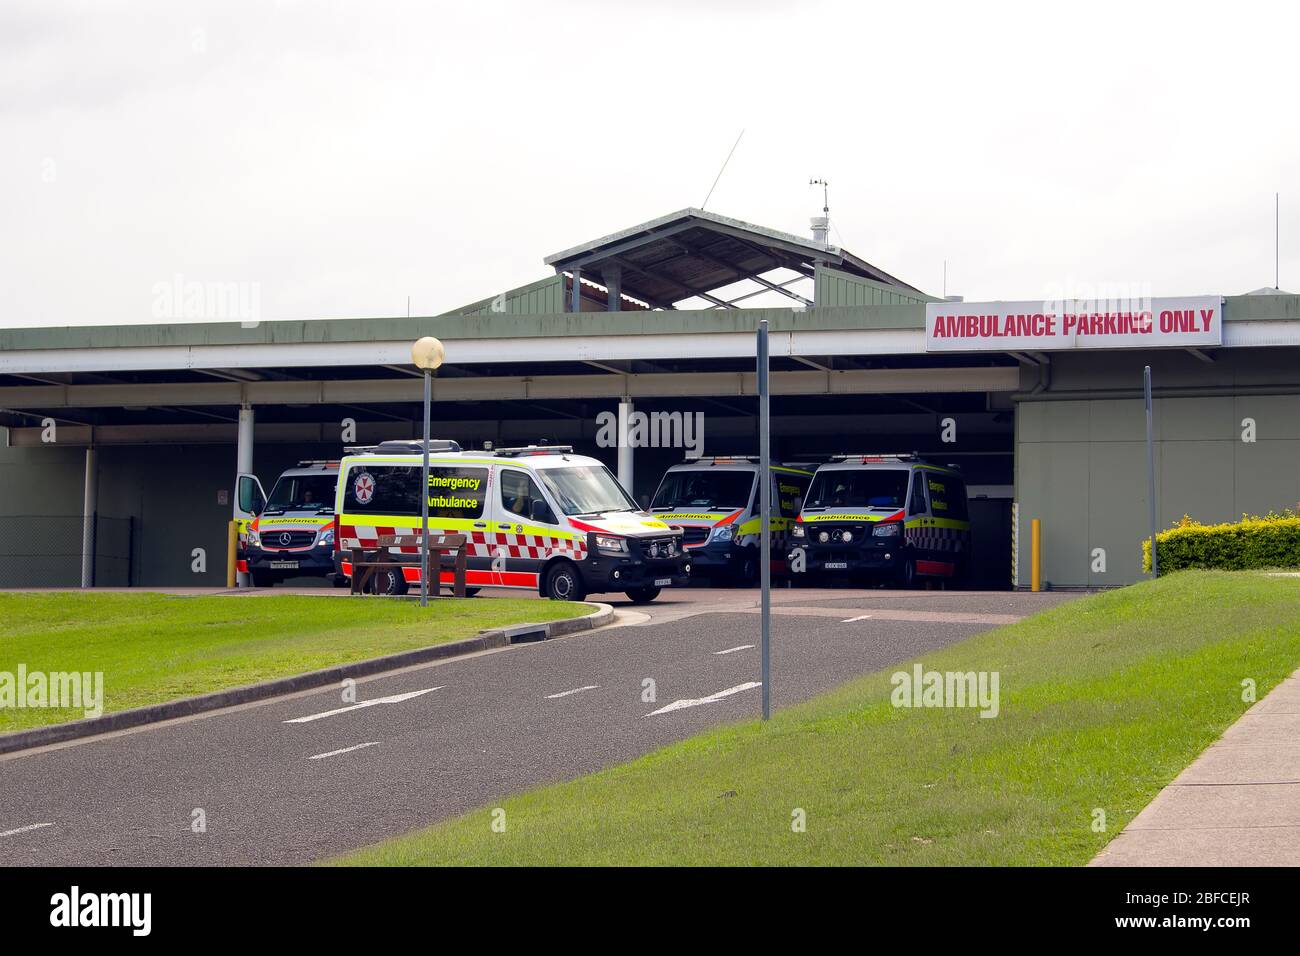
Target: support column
{"points": [[89, 507], [243, 466], [575, 298], [613, 276], [624, 445]]}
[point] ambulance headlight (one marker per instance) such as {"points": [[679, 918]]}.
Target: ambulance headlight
{"points": [[725, 533], [254, 538], [823, 537], [847, 537], [611, 545], [798, 531], [887, 530], [326, 538]]}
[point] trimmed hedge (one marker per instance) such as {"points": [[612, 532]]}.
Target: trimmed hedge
{"points": [[1255, 542]]}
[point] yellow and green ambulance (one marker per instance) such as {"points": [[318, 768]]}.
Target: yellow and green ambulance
{"points": [[716, 502], [539, 518], [883, 516]]}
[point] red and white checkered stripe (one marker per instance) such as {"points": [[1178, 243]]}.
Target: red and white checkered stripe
{"points": [[481, 544]]}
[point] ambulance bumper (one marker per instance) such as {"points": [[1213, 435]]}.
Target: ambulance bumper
{"points": [[309, 562], [604, 574]]}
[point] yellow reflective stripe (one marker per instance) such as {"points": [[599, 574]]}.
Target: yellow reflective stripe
{"points": [[949, 523], [807, 519], [408, 521], [694, 516], [792, 471], [319, 522]]}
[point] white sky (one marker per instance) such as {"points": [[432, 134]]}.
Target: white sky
{"points": [[342, 156]]}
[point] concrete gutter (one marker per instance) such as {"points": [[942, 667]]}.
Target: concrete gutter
{"points": [[188, 706]]}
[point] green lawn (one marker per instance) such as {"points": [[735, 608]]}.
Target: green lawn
{"points": [[1103, 701], [155, 647]]}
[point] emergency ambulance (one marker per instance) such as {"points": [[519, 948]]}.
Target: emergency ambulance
{"points": [[883, 516], [290, 533], [539, 518], [716, 503]]}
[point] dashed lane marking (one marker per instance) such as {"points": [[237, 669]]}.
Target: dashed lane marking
{"points": [[394, 699]]}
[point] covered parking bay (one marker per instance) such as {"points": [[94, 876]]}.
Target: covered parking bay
{"points": [[143, 428]]}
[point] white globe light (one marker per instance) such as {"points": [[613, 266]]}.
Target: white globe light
{"points": [[427, 352]]}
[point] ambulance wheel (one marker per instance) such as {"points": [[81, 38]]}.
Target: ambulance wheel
{"points": [[470, 592], [745, 574], [262, 579], [907, 576], [642, 595], [563, 583], [387, 581], [339, 581]]}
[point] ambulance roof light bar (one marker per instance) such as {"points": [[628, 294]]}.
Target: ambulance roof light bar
{"points": [[406, 446], [533, 450], [888, 456]]}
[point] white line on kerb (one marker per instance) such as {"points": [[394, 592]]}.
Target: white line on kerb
{"points": [[576, 690], [345, 750], [860, 617], [394, 699], [732, 650], [27, 829], [712, 698]]}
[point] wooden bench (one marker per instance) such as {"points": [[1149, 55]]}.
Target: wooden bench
{"points": [[366, 564]]}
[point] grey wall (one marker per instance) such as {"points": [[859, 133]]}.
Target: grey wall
{"points": [[1081, 464]]}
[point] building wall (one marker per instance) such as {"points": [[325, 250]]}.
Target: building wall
{"points": [[1081, 463]]}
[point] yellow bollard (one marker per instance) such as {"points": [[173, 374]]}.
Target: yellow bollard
{"points": [[232, 552], [1036, 555]]}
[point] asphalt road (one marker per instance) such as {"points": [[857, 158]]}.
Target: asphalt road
{"points": [[275, 788]]}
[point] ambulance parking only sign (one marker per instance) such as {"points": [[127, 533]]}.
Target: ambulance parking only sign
{"points": [[1185, 322]]}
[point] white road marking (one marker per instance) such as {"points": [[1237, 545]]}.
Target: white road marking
{"points": [[860, 617], [394, 699], [732, 650], [576, 690], [345, 750], [27, 829], [712, 698]]}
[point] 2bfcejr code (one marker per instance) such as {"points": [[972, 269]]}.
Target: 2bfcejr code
{"points": [[1199, 898]]}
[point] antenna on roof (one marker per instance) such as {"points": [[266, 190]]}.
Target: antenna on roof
{"points": [[721, 171], [821, 225]]}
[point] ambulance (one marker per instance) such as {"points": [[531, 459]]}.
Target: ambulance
{"points": [[716, 504], [538, 518], [291, 532], [883, 516]]}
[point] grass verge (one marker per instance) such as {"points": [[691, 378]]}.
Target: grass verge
{"points": [[1103, 701], [155, 647]]}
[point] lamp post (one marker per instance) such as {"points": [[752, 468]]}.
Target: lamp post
{"points": [[427, 354]]}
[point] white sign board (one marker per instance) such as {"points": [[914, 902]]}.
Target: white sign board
{"points": [[1185, 322]]}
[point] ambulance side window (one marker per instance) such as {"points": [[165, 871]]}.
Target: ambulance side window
{"points": [[917, 504], [947, 496], [521, 496]]}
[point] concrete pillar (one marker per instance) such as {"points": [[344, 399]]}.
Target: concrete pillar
{"points": [[624, 445], [243, 466], [244, 448], [89, 506], [613, 276], [575, 299]]}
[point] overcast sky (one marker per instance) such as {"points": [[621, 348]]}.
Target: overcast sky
{"points": [[338, 156]]}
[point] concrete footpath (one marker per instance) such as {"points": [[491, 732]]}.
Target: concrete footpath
{"points": [[1237, 805]]}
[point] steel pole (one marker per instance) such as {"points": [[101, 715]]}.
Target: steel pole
{"points": [[424, 496], [1151, 471], [765, 528]]}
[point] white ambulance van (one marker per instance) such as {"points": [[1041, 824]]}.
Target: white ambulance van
{"points": [[289, 533], [717, 504], [539, 518]]}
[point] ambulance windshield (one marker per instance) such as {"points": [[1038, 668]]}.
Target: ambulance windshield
{"points": [[704, 490], [858, 488], [586, 490], [302, 493]]}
